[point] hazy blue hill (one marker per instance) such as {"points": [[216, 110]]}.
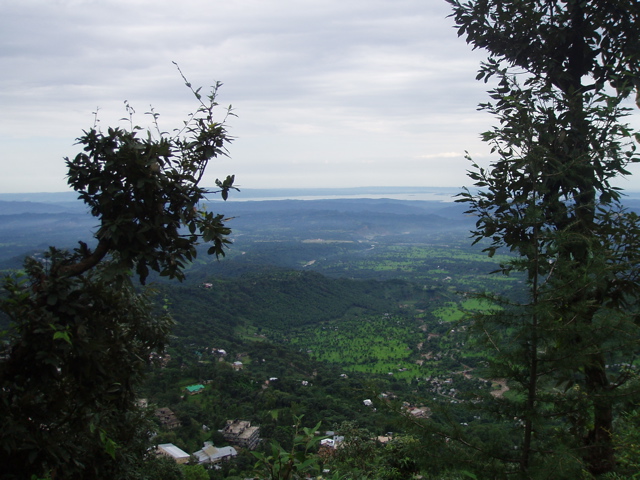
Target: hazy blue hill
{"points": [[413, 193], [37, 227], [19, 208], [267, 222], [632, 204], [400, 207], [341, 219], [32, 222], [41, 197], [27, 233]]}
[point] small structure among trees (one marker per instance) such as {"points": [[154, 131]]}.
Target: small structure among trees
{"points": [[194, 389], [241, 434], [173, 452], [167, 418], [211, 454]]}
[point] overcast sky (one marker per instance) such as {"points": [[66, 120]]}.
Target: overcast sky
{"points": [[327, 93]]}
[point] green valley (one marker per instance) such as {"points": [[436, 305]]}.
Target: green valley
{"points": [[362, 327]]}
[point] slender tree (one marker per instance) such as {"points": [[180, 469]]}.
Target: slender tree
{"points": [[564, 70]]}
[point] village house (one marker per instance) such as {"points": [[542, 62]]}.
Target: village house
{"points": [[171, 451], [420, 412], [332, 442], [194, 389], [328, 446], [241, 434], [237, 365], [212, 455], [167, 418]]}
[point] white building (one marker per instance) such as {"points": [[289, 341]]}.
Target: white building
{"points": [[333, 442], [210, 454], [171, 451]]}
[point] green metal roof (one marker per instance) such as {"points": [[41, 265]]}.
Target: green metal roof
{"points": [[195, 388]]}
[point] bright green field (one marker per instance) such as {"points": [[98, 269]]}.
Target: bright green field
{"points": [[457, 265], [453, 312], [389, 344], [380, 345]]}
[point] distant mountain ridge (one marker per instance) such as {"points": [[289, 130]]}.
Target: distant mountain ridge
{"points": [[22, 207], [255, 194], [31, 222]]}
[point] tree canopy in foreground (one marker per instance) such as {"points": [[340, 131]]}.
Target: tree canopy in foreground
{"points": [[565, 70], [81, 333]]}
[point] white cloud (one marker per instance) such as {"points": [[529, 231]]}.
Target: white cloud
{"points": [[327, 92]]}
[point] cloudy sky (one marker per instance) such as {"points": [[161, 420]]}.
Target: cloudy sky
{"points": [[327, 93]]}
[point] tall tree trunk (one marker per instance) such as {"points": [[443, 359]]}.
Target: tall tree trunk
{"points": [[599, 452]]}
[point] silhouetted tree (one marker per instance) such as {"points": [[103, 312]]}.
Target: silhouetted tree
{"points": [[565, 69], [81, 334]]}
